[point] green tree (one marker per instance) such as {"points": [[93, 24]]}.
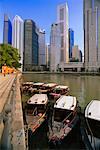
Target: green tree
{"points": [[9, 56]]}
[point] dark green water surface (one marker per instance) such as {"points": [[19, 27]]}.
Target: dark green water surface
{"points": [[85, 88]]}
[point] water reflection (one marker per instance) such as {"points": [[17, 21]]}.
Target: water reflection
{"points": [[85, 88]]}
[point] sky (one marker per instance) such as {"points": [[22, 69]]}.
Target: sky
{"points": [[44, 13]]}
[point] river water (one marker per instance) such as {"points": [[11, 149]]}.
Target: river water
{"points": [[85, 88]]}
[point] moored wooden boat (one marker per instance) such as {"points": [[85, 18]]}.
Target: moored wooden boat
{"points": [[64, 118], [26, 86], [36, 111], [35, 87], [92, 118], [38, 85], [58, 91], [27, 83], [47, 88]]}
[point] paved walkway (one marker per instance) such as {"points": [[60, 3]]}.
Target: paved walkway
{"points": [[5, 87]]}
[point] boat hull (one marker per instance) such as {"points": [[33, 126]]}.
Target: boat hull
{"points": [[53, 139], [38, 139], [54, 97], [35, 122], [90, 134]]}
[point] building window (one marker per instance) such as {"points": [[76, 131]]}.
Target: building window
{"points": [[62, 27], [62, 14], [62, 41], [62, 55]]}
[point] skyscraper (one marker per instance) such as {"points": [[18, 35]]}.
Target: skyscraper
{"points": [[71, 42], [81, 56], [48, 55], [35, 43], [30, 45], [92, 34], [7, 31], [41, 41], [62, 19], [76, 54], [55, 47], [17, 36]]}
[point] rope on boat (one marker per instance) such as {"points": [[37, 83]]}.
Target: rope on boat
{"points": [[34, 110], [67, 117]]}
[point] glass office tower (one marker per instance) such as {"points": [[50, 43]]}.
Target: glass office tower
{"points": [[7, 31]]}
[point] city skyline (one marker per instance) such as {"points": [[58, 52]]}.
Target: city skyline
{"points": [[37, 13]]}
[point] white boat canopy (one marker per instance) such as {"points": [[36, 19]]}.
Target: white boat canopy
{"points": [[28, 83], [50, 85], [61, 87], [92, 110], [66, 102], [38, 83], [38, 99]]}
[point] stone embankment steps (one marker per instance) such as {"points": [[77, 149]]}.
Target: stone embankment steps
{"points": [[3, 82], [12, 131], [4, 91], [5, 87]]}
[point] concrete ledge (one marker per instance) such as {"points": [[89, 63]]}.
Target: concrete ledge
{"points": [[65, 72], [1, 129], [18, 134]]}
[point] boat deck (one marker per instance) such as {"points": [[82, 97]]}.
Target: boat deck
{"points": [[59, 130], [32, 119]]}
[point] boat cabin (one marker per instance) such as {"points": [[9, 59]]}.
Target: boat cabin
{"points": [[36, 111], [61, 89], [92, 115], [26, 86], [37, 104], [64, 107], [47, 87], [35, 88], [58, 91], [38, 85], [64, 118]]}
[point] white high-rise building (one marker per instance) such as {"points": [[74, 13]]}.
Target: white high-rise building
{"points": [[62, 19], [18, 36], [55, 47], [91, 11], [48, 55], [41, 40]]}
